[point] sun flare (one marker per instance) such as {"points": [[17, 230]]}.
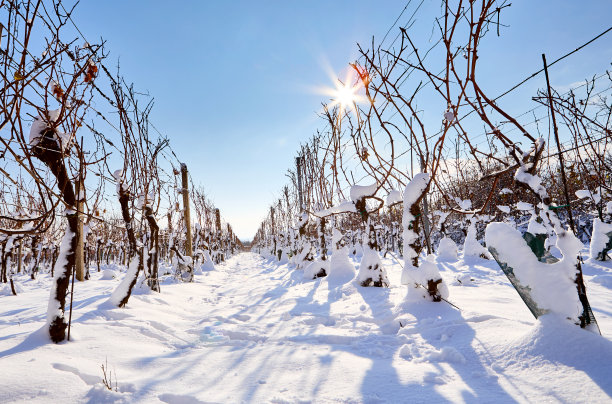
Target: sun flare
{"points": [[345, 93]]}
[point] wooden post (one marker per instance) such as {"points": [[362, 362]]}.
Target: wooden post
{"points": [[230, 238], [322, 236], [425, 217], [218, 224], [426, 224], [587, 317], [298, 162], [273, 230], [219, 243], [187, 215], [79, 256], [19, 252], [71, 300], [556, 131], [218, 221], [170, 234]]}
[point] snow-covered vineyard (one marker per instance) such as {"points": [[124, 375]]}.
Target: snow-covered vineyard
{"points": [[435, 241]]}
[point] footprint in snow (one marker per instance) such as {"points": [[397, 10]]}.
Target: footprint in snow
{"points": [[242, 317], [433, 378], [210, 334]]}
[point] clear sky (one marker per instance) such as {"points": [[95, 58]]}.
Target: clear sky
{"points": [[234, 80]]}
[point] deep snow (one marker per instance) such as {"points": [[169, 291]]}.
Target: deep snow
{"points": [[253, 331]]}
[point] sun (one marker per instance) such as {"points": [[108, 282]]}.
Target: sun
{"points": [[345, 93]]}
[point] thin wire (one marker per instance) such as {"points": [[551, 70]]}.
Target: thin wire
{"points": [[395, 22]]}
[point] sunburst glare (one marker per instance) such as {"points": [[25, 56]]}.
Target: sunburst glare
{"points": [[347, 93]]}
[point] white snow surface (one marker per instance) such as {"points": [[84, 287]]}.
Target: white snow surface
{"points": [[252, 331], [447, 250], [121, 290], [108, 274], [585, 193], [371, 267], [600, 237], [361, 191], [311, 270], [302, 219], [533, 181], [394, 197], [341, 269], [53, 307], [342, 207], [417, 278], [414, 189], [300, 258], [504, 208], [471, 247], [524, 206], [207, 262], [552, 285], [464, 204], [534, 227], [40, 125]]}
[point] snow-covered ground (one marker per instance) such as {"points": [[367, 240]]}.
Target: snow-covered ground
{"points": [[254, 331]]}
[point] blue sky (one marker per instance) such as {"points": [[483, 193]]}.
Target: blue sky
{"points": [[233, 81]]}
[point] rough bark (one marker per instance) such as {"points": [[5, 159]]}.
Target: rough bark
{"points": [[48, 152], [152, 260], [35, 257], [3, 257], [98, 253], [322, 235], [415, 210], [124, 197]]}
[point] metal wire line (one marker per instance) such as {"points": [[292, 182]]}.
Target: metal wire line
{"points": [[408, 75]]}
